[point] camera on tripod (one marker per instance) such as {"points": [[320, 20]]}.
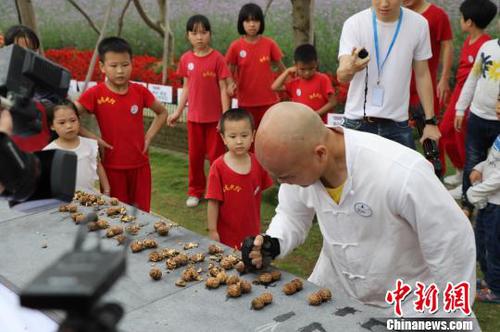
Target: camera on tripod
{"points": [[44, 178]]}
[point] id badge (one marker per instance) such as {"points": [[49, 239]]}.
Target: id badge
{"points": [[335, 120], [378, 96]]}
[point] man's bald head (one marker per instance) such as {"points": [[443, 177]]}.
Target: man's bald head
{"points": [[287, 133]]}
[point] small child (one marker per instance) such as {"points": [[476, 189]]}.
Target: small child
{"points": [[235, 183], [310, 87], [204, 71], [65, 121], [118, 105], [485, 194], [251, 59]]}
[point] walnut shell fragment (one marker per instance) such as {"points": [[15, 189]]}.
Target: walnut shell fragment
{"points": [[114, 230], [155, 273], [212, 283]]}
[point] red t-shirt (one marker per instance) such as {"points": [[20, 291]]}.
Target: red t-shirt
{"points": [[239, 196], [440, 30], [121, 123], [203, 74], [467, 57], [254, 72], [313, 92], [35, 142]]}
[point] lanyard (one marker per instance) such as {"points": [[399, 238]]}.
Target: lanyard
{"points": [[380, 66]]}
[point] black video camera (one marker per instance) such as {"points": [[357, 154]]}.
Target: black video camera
{"points": [[47, 177]]}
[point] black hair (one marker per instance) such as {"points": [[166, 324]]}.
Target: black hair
{"points": [[195, 20], [113, 44], [481, 12], [250, 11], [305, 53], [235, 114], [16, 32], [66, 103]]}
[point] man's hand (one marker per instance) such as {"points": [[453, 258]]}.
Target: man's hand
{"points": [[432, 132], [6, 124], [475, 176], [256, 252], [349, 65]]}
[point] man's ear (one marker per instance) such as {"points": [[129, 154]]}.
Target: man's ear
{"points": [[321, 152]]}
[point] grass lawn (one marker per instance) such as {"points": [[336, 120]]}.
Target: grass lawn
{"points": [[169, 172]]}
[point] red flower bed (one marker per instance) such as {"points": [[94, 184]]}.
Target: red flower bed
{"points": [[145, 68]]}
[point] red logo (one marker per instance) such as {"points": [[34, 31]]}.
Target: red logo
{"points": [[397, 296]]}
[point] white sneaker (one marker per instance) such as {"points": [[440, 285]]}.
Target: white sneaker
{"points": [[192, 201], [455, 179], [456, 192]]}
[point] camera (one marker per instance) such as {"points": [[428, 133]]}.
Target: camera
{"points": [[42, 178], [363, 53]]}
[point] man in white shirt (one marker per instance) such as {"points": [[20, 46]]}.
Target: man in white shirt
{"points": [[397, 40], [381, 210]]}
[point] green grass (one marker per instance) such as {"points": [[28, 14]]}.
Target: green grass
{"points": [[169, 172]]}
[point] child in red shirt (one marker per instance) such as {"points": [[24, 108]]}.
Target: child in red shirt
{"points": [[476, 15], [251, 58], [118, 107], [204, 71], [310, 87], [235, 183]]}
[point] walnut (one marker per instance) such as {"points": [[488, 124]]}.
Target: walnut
{"points": [[227, 262], [212, 283], [232, 279], [168, 253], [92, 226], [234, 290], [68, 208], [314, 299], [298, 284], [180, 283], [162, 230], [265, 278], [159, 224], [181, 259], [276, 275], [114, 201], [190, 245], [102, 224], [114, 230], [190, 274], [100, 201], [112, 211], [257, 303], [155, 273], [120, 238], [150, 243], [326, 294], [214, 249], [79, 218], [214, 270], [222, 277], [127, 218], [240, 267], [266, 298], [63, 208], [133, 229], [292, 287], [137, 246], [155, 256], [197, 258], [171, 264], [76, 215], [246, 287]]}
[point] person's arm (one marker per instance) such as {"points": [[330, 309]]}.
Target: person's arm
{"points": [[280, 67], [231, 83], [181, 104], [224, 96], [84, 132], [332, 101], [158, 122], [467, 93], [279, 82], [425, 92], [213, 216], [444, 234], [103, 178], [486, 187], [351, 64], [443, 87]]}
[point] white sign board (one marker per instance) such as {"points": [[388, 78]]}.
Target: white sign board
{"points": [[162, 92]]}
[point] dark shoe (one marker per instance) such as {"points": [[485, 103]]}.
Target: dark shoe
{"points": [[487, 296]]}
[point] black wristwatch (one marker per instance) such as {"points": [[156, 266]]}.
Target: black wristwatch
{"points": [[431, 121]]}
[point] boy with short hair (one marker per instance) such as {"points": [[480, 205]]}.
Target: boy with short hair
{"points": [[118, 107], [309, 86], [235, 183]]}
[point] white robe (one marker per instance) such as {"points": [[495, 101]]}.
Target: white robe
{"points": [[394, 220]]}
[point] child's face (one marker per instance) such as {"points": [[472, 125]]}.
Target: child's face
{"points": [[238, 136], [117, 67], [465, 25], [251, 27], [199, 37], [411, 4], [66, 124], [306, 70]]}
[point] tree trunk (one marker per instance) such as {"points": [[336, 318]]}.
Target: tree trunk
{"points": [[302, 12], [26, 15]]}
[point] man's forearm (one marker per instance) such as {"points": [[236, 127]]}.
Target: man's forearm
{"points": [[424, 89]]}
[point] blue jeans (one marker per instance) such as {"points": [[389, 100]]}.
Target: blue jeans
{"points": [[399, 132], [480, 136], [487, 234]]}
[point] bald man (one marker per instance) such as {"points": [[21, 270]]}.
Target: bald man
{"points": [[382, 212]]}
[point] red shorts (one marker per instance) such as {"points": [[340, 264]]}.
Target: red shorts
{"points": [[131, 186]]}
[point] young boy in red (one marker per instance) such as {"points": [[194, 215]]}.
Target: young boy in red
{"points": [[235, 183], [476, 15], [204, 72], [118, 107], [309, 87]]}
